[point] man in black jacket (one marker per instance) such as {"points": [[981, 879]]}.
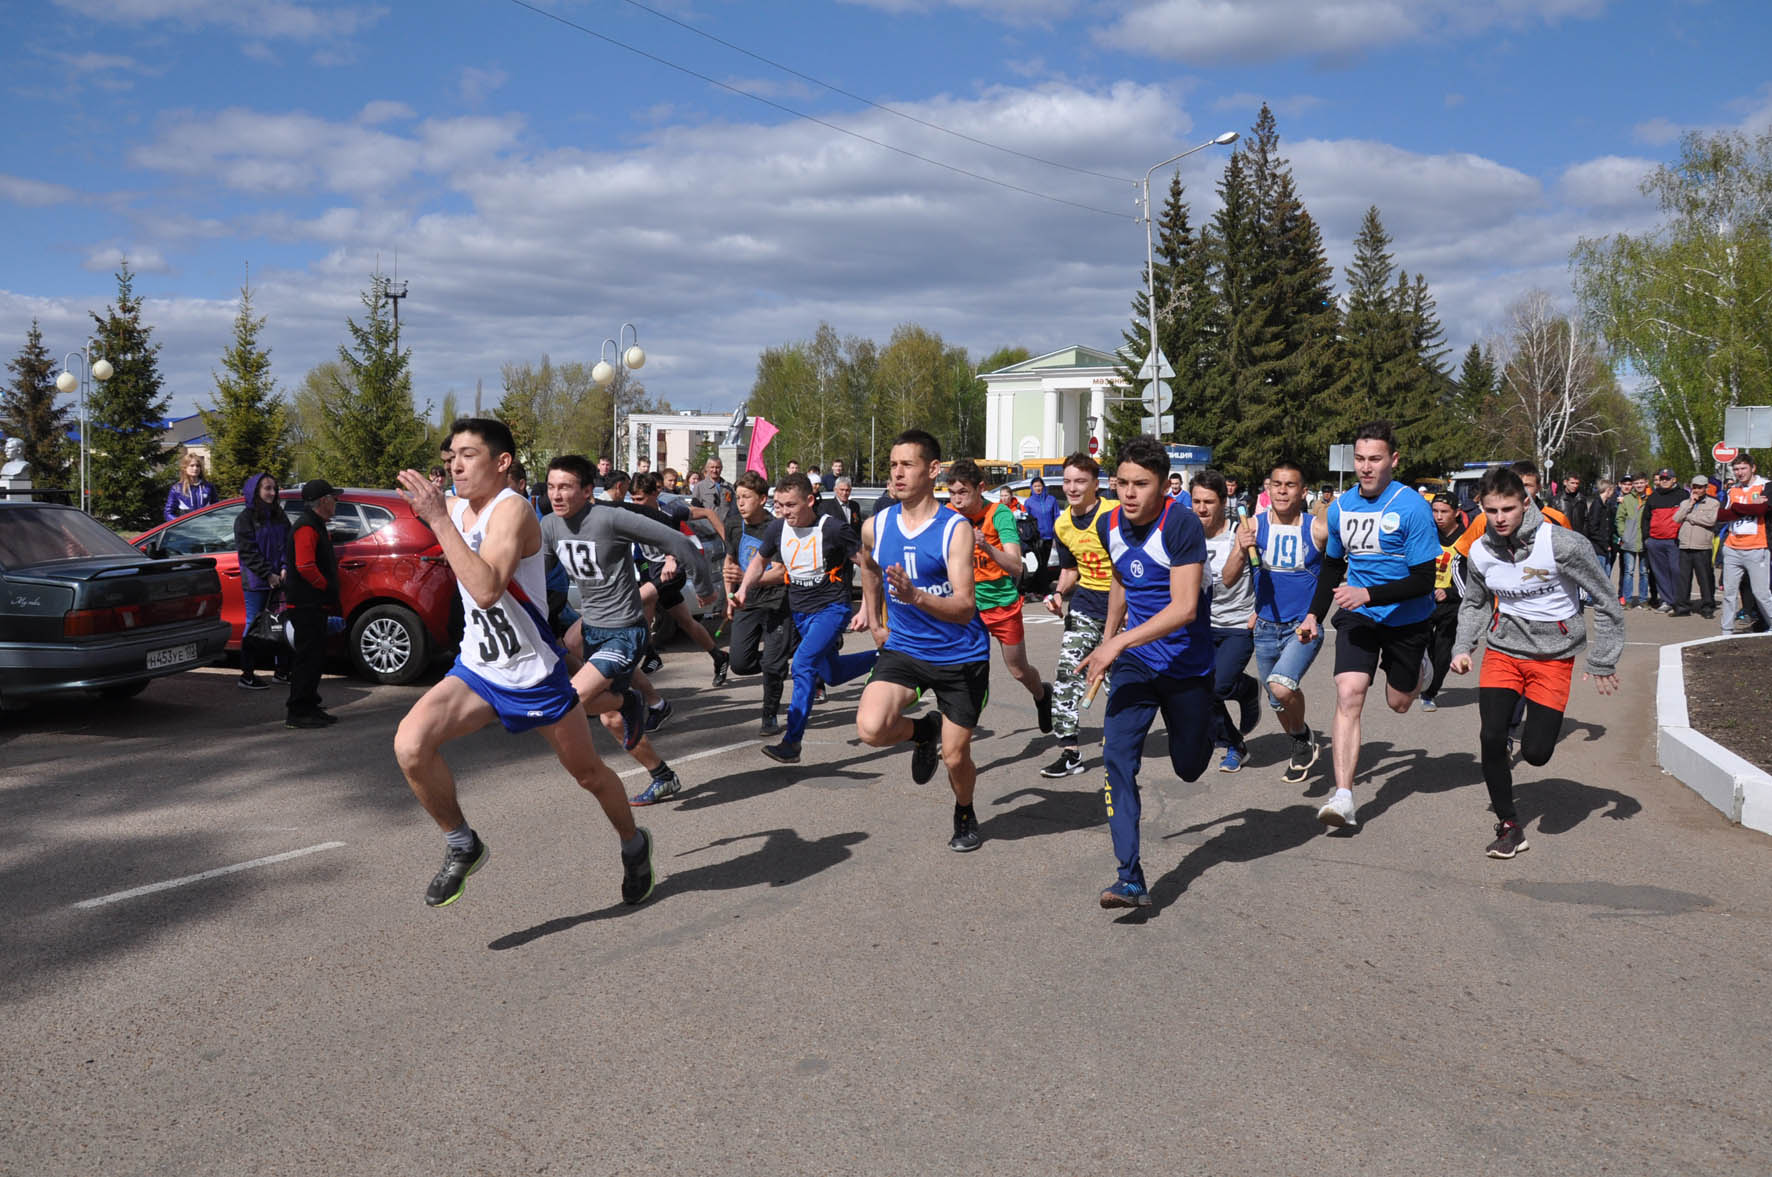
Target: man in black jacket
{"points": [[312, 594]]}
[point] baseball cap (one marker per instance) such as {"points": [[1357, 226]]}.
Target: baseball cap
{"points": [[316, 488], [1664, 472], [1699, 480]]}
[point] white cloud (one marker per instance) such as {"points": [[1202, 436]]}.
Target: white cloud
{"points": [[385, 111], [261, 19], [143, 259], [476, 85], [1211, 32], [34, 193], [720, 239], [1609, 182], [1656, 132]]}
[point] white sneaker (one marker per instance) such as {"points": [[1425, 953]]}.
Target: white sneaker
{"points": [[1427, 673], [1338, 810]]}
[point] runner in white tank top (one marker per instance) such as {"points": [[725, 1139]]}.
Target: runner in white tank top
{"points": [[509, 669], [508, 644]]}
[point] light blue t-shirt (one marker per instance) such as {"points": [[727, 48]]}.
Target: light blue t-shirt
{"points": [[1380, 539]]}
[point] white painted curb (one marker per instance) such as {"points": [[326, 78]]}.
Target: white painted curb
{"points": [[1741, 791]]}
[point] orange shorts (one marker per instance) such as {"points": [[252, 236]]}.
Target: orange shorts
{"points": [[1004, 623], [1545, 683]]}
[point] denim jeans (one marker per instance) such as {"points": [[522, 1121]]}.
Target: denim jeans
{"points": [[1280, 657], [1633, 577], [1231, 649]]}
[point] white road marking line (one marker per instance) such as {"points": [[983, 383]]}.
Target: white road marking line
{"points": [[693, 756], [208, 874]]}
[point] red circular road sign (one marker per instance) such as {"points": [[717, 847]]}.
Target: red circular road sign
{"points": [[1095, 446], [1724, 453]]}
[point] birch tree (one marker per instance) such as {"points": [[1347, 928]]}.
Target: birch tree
{"points": [[1551, 378]]}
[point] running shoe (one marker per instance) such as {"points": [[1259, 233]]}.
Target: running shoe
{"points": [[651, 662], [1069, 763], [447, 886], [633, 719], [1426, 672], [1233, 759], [636, 872], [1305, 751], [1428, 704], [251, 682], [783, 753], [771, 726], [1338, 811], [656, 716], [966, 836], [662, 788], [1043, 707], [326, 716], [1126, 895], [281, 678], [927, 753], [1510, 839], [818, 695], [721, 660], [305, 721]]}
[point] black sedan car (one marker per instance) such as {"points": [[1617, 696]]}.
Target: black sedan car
{"points": [[82, 610]]}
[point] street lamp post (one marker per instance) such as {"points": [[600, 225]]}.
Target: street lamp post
{"points": [[67, 382], [630, 360], [1150, 288]]}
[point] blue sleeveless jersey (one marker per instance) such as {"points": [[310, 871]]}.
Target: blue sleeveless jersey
{"points": [[924, 557], [1287, 578], [1142, 563]]}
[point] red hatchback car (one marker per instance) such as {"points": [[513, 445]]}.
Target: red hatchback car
{"points": [[394, 584]]}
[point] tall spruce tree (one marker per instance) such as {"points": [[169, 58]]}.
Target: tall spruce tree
{"points": [[372, 430], [1245, 345], [127, 415], [29, 412], [1375, 338], [1474, 404], [1185, 314], [248, 423], [1424, 413]]}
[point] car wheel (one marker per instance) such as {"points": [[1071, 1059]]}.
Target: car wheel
{"points": [[388, 644], [123, 690]]}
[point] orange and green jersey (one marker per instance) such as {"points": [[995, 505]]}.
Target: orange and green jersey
{"points": [[994, 587]]}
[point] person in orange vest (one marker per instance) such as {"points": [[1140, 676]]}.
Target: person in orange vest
{"points": [[1742, 520]]}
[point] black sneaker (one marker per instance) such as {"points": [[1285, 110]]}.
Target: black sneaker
{"points": [[1069, 763], [251, 682], [305, 721], [927, 753], [281, 678], [721, 661], [1305, 751], [783, 753], [966, 835], [636, 872], [1043, 707], [1510, 840], [447, 886], [651, 662], [771, 726], [656, 716], [326, 716]]}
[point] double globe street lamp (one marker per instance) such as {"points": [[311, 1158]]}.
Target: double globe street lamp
{"points": [[631, 359], [67, 382]]}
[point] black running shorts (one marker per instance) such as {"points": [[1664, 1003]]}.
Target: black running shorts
{"points": [[961, 688], [1363, 645]]}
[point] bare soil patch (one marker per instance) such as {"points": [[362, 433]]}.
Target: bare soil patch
{"points": [[1729, 696]]}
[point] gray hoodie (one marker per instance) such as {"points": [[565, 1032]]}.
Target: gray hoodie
{"points": [[1544, 640]]}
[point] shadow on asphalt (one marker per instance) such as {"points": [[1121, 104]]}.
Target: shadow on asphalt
{"points": [[1054, 811], [1561, 804], [784, 858]]}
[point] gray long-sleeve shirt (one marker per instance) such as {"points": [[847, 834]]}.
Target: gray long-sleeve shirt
{"points": [[596, 548], [1544, 640]]}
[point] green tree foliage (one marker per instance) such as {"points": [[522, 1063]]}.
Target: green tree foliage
{"points": [[1688, 305], [1554, 379], [29, 410], [1375, 342], [555, 409], [248, 423], [307, 418], [127, 415], [371, 430]]}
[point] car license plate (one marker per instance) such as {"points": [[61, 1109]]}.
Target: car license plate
{"points": [[172, 656]]}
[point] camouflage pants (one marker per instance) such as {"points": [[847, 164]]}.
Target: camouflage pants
{"points": [[1081, 636]]}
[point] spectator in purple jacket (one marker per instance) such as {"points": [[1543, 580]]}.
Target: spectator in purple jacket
{"points": [[261, 536], [192, 490]]}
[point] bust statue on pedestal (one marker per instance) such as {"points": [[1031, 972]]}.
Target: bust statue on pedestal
{"points": [[15, 472]]}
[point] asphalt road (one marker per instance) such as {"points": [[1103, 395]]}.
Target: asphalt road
{"points": [[820, 986]]}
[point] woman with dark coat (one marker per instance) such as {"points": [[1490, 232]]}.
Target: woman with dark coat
{"points": [[261, 536]]}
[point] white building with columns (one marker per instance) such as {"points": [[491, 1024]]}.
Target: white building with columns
{"points": [[1051, 405]]}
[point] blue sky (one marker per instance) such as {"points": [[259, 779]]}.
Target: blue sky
{"points": [[541, 187]]}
